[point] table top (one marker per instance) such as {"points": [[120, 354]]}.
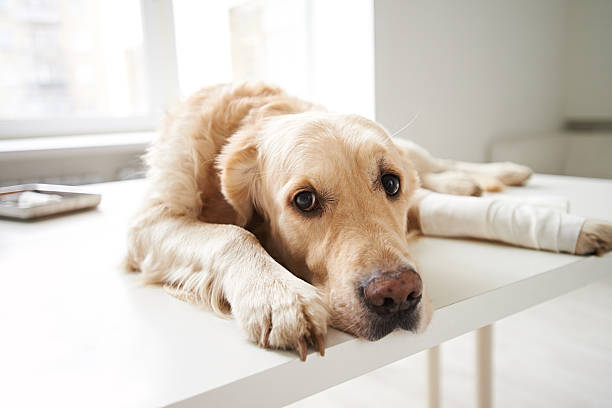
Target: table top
{"points": [[77, 330]]}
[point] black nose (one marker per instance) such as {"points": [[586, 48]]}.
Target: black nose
{"points": [[392, 291]]}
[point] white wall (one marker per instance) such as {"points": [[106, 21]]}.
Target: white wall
{"points": [[589, 60], [474, 70]]}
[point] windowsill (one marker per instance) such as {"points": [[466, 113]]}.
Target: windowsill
{"points": [[73, 160], [128, 141]]}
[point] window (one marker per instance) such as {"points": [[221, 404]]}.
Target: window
{"points": [[318, 50], [95, 66], [71, 59]]}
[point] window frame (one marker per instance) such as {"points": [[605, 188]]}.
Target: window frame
{"points": [[161, 71]]}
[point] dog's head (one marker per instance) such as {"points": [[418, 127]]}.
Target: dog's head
{"points": [[328, 197]]}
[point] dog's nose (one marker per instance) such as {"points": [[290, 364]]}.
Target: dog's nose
{"points": [[390, 292]]}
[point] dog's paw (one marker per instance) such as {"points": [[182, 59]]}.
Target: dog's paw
{"points": [[511, 174], [286, 314], [488, 183], [451, 182], [595, 238]]}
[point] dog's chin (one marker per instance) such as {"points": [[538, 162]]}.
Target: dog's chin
{"points": [[375, 327], [380, 326]]}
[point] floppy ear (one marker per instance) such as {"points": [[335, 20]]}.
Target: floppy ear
{"points": [[237, 164]]}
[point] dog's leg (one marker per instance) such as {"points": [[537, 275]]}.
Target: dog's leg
{"points": [[461, 178], [508, 221], [508, 173], [225, 267], [438, 174], [451, 182]]}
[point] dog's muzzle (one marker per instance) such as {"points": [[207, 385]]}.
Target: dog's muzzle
{"points": [[393, 299]]}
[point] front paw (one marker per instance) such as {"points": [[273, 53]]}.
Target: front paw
{"points": [[595, 238], [284, 314]]}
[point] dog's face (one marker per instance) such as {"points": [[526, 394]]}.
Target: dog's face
{"points": [[332, 193]]}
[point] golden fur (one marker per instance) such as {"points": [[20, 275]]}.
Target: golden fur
{"points": [[218, 227]]}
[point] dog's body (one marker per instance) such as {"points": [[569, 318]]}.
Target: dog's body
{"points": [[292, 218]]}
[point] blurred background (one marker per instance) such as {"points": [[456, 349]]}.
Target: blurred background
{"points": [[110, 68], [85, 83]]}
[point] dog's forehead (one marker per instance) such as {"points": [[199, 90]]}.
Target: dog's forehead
{"points": [[295, 142]]}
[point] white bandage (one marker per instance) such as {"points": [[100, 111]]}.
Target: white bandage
{"points": [[502, 220]]}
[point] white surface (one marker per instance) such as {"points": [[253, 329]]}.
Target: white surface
{"points": [[475, 70], [79, 159], [567, 339], [64, 126], [39, 144], [571, 153], [77, 331]]}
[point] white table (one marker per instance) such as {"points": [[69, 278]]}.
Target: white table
{"points": [[77, 331]]}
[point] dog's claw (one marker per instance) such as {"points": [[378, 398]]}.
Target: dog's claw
{"points": [[302, 347], [320, 343], [266, 338]]}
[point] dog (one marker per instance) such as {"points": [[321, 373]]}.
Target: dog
{"points": [[292, 218]]}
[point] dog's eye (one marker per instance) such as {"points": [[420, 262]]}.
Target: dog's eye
{"points": [[391, 184], [305, 201]]}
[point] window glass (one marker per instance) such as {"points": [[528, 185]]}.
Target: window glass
{"points": [[319, 50], [71, 58]]}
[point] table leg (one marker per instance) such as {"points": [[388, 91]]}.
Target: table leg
{"points": [[484, 367], [433, 377]]}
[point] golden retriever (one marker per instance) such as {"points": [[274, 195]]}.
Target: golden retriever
{"points": [[292, 218]]}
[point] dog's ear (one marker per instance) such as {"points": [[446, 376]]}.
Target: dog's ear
{"points": [[237, 165]]}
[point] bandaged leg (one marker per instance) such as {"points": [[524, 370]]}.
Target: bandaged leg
{"points": [[506, 220]]}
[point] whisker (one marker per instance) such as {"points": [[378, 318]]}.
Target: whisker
{"points": [[410, 122]]}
